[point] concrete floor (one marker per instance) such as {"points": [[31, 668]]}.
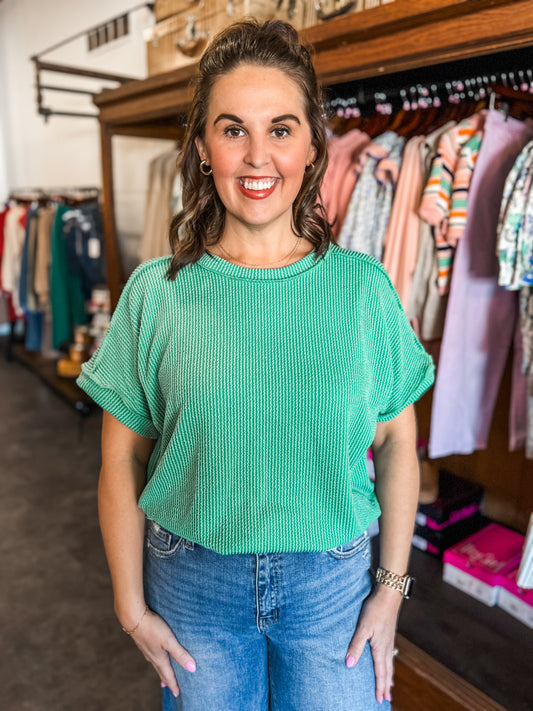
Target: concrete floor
{"points": [[62, 648]]}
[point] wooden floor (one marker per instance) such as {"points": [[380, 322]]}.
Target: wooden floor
{"points": [[421, 683]]}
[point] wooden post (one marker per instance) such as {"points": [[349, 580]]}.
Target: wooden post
{"points": [[115, 269]]}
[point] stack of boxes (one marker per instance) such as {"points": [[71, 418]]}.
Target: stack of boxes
{"points": [[480, 558], [485, 566], [453, 515]]}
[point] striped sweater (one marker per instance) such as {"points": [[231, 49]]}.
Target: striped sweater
{"points": [[263, 388]]}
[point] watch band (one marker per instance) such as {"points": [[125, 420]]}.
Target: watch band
{"points": [[402, 583]]}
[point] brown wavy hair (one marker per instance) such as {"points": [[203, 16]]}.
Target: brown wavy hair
{"points": [[201, 221]]}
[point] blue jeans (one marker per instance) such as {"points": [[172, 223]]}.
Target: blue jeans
{"points": [[267, 631]]}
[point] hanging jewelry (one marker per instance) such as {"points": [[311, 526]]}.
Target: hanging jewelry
{"points": [[309, 167], [260, 266], [203, 166]]}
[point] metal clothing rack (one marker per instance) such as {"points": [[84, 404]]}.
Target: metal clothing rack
{"points": [[41, 66], [70, 195]]}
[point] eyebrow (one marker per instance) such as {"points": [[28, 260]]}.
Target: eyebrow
{"points": [[277, 119]]}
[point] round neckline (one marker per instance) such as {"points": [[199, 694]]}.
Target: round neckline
{"points": [[218, 264]]}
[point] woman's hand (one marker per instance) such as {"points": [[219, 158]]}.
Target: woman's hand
{"points": [[156, 641], [377, 625]]}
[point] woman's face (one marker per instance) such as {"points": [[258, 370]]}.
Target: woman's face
{"points": [[258, 143]]}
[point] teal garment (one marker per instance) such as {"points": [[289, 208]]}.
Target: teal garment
{"points": [[263, 388], [66, 294]]}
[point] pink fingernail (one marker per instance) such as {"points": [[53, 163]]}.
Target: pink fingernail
{"points": [[163, 685], [190, 666], [175, 695], [350, 661]]}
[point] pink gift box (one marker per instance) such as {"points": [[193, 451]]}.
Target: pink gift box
{"points": [[518, 602], [477, 564]]}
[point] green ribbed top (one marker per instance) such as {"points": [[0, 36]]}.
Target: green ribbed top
{"points": [[263, 388]]}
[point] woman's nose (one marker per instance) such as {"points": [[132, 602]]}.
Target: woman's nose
{"points": [[257, 153]]}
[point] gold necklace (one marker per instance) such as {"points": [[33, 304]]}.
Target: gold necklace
{"points": [[260, 266]]}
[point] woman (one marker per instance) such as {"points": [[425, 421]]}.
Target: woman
{"points": [[242, 382]]}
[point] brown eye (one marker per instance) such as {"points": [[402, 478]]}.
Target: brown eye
{"points": [[234, 131], [281, 131]]}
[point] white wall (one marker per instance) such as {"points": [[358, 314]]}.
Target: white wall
{"points": [[66, 151]]}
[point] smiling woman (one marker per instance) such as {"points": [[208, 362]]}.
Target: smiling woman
{"points": [[243, 382]]}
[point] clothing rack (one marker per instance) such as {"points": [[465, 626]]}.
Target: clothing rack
{"points": [[45, 368], [450, 83], [68, 196]]}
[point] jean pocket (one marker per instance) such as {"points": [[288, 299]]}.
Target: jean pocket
{"points": [[163, 543], [357, 546]]}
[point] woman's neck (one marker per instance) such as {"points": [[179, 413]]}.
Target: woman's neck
{"points": [[260, 251]]}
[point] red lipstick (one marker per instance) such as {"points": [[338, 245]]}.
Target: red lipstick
{"points": [[259, 193]]}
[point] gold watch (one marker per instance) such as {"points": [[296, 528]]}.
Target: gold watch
{"points": [[402, 583]]}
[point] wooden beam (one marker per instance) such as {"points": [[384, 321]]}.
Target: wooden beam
{"points": [[115, 271], [390, 18], [450, 39], [155, 130], [146, 108]]}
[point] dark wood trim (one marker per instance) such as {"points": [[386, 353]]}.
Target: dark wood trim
{"points": [[388, 19], [167, 103], [470, 35], [115, 271], [151, 85], [156, 130]]}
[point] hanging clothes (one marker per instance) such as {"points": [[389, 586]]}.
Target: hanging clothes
{"points": [[66, 291], [482, 318], [42, 258], [515, 226], [427, 307], [14, 237], [155, 236], [27, 297], [370, 205], [341, 175], [460, 188], [402, 238], [7, 312], [436, 199]]}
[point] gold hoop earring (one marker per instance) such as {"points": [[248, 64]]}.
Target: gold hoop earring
{"points": [[203, 166], [309, 167]]}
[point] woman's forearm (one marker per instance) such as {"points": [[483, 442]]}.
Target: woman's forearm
{"points": [[122, 527], [397, 487], [122, 478]]}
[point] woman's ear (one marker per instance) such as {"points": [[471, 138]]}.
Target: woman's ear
{"points": [[312, 154], [200, 147]]}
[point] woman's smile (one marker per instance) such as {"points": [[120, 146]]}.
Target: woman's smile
{"points": [[257, 188]]}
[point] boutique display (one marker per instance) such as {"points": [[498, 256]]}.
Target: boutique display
{"points": [[443, 197], [52, 257]]}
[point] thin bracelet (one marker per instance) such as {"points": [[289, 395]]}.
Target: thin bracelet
{"points": [[138, 623]]}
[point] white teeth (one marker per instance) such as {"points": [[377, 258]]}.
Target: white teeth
{"points": [[258, 184]]}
